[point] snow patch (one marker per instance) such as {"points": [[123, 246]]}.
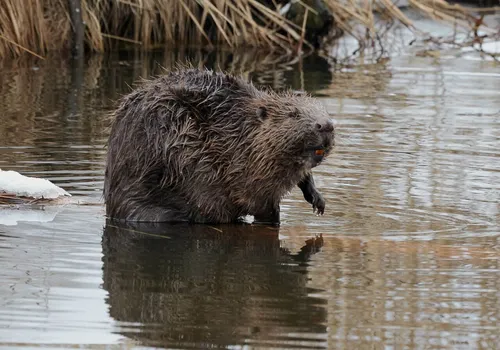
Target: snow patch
{"points": [[23, 186], [490, 47]]}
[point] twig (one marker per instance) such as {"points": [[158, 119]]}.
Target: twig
{"points": [[21, 47]]}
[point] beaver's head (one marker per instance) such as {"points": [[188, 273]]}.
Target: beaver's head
{"points": [[319, 132], [297, 129]]}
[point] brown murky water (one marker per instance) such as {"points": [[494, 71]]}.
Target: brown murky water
{"points": [[410, 255]]}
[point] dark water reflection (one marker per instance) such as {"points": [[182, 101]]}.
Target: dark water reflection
{"points": [[410, 255], [200, 286]]}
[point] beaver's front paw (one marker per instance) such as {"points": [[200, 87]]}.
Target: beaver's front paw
{"points": [[318, 203], [268, 216]]}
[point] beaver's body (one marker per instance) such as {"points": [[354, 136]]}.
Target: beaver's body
{"points": [[199, 146]]}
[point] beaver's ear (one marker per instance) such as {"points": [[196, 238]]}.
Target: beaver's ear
{"points": [[261, 113], [295, 113]]}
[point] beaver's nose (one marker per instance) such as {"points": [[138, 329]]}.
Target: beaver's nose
{"points": [[326, 126]]}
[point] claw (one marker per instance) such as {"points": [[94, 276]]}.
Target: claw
{"points": [[318, 206]]}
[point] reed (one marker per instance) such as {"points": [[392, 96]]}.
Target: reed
{"points": [[38, 26], [358, 17]]}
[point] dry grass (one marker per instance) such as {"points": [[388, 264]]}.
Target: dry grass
{"points": [[32, 25], [150, 22], [357, 16], [38, 26]]}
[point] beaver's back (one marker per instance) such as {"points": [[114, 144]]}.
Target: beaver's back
{"points": [[179, 133]]}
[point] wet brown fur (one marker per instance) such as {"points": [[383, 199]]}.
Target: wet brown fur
{"points": [[199, 146]]}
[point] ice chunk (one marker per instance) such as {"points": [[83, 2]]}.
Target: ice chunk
{"points": [[12, 216], [14, 183]]}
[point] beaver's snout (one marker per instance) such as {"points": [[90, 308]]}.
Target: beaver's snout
{"points": [[326, 126], [326, 131], [324, 141]]}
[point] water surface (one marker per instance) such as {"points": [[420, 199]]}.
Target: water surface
{"points": [[409, 255]]}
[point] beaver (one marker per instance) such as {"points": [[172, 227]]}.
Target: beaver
{"points": [[200, 146]]}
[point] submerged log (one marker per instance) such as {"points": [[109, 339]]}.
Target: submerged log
{"points": [[13, 199], [319, 19]]}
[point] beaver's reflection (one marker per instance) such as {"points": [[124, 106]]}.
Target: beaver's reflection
{"points": [[208, 286]]}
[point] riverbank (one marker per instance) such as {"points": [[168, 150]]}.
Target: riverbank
{"points": [[288, 26]]}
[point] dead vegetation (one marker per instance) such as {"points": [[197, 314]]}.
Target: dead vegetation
{"points": [[38, 26], [12, 199]]}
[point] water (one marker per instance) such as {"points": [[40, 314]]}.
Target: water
{"points": [[409, 254]]}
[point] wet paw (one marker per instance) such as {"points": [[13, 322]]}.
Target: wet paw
{"points": [[318, 204], [268, 217]]}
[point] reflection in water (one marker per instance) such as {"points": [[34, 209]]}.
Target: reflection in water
{"points": [[207, 286], [437, 294]]}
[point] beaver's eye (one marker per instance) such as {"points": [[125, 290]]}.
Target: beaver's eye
{"points": [[299, 92], [261, 113]]}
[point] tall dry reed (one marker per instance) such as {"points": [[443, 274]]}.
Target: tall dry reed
{"points": [[38, 26]]}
